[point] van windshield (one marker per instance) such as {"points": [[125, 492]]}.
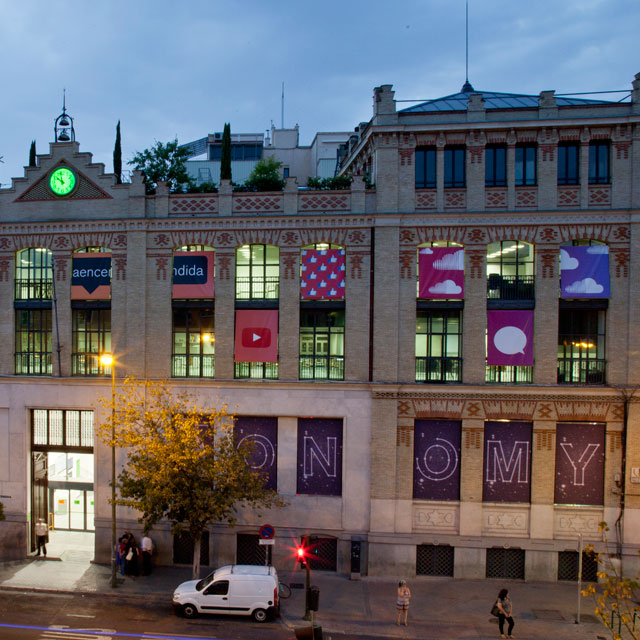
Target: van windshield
{"points": [[205, 582]]}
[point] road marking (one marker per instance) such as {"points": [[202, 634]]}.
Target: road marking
{"points": [[79, 615], [66, 633]]}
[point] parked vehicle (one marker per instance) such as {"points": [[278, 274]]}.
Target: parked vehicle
{"points": [[236, 589]]}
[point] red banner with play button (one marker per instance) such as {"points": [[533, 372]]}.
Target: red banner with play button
{"points": [[256, 335]]}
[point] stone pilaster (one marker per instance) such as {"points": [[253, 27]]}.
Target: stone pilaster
{"points": [[289, 314], [543, 462], [406, 173], [7, 311], [225, 312], [159, 321], [584, 168], [474, 322], [407, 292], [545, 315], [61, 315], [386, 159], [618, 336], [475, 170], [471, 471], [547, 169], [440, 144], [357, 313], [511, 170]]}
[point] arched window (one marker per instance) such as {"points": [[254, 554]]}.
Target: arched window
{"points": [[34, 274], [510, 270], [257, 272]]}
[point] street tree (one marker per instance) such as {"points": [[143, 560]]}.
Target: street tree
{"points": [[164, 162], [32, 154], [117, 155], [183, 463], [617, 597], [265, 176], [225, 158]]}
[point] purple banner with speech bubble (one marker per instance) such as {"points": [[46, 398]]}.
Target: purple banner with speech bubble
{"points": [[584, 272], [510, 338], [507, 462], [436, 455], [441, 272], [262, 433], [320, 456], [579, 463]]}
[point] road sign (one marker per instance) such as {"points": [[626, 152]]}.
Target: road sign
{"points": [[268, 541], [267, 532]]}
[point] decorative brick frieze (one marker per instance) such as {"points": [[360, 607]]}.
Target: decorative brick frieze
{"points": [[120, 261], [476, 258], [272, 203], [5, 266], [526, 197], [161, 240], [495, 198], [438, 234], [358, 237], [60, 263], [600, 195], [407, 261], [544, 439], [621, 256], [549, 260], [496, 137], [406, 157], [436, 517], [622, 149], [455, 198], [455, 138], [162, 262], [355, 259], [548, 152], [570, 134], [472, 437], [426, 139], [547, 234], [193, 204], [476, 154], [425, 199], [181, 238], [527, 135], [600, 133], [403, 436], [568, 196], [326, 202], [290, 260], [526, 233]]}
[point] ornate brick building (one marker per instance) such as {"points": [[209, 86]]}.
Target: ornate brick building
{"points": [[439, 367]]}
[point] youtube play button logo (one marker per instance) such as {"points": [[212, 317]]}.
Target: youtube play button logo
{"points": [[256, 337]]}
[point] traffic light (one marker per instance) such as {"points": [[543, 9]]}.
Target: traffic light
{"points": [[302, 556]]}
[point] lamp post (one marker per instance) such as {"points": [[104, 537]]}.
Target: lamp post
{"points": [[107, 360]]}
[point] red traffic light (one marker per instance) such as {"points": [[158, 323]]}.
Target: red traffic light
{"points": [[302, 556]]}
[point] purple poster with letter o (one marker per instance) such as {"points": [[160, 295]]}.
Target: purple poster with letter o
{"points": [[579, 463], [262, 433], [320, 456], [436, 457], [510, 338], [507, 462]]}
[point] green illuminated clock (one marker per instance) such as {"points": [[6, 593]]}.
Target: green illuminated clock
{"points": [[62, 181]]}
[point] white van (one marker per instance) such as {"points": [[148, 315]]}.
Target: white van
{"points": [[237, 589]]}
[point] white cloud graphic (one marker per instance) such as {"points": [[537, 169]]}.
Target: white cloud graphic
{"points": [[448, 286], [567, 263], [426, 250], [598, 249], [450, 262], [588, 285]]}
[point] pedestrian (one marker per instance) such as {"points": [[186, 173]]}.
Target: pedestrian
{"points": [[122, 552], [146, 545], [402, 602], [41, 536], [132, 566], [505, 612]]}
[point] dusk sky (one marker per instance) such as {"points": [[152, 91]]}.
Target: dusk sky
{"points": [[184, 69]]}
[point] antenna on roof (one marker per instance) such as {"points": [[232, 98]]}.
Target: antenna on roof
{"points": [[467, 87], [282, 108]]}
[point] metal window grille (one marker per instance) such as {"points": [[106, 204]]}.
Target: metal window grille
{"points": [[70, 429], [183, 549], [510, 287], [434, 560], [323, 553], [34, 274], [33, 342], [509, 374], [249, 550], [258, 370], [91, 333], [568, 566], [321, 345], [505, 563]]}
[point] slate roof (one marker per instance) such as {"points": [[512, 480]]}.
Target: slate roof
{"points": [[493, 100]]}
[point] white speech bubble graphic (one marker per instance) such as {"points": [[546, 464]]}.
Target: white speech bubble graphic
{"points": [[510, 340]]}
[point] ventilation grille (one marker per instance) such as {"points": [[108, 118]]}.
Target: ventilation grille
{"points": [[434, 560], [505, 563]]}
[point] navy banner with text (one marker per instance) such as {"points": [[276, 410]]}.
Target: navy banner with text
{"points": [[507, 462], [320, 456], [436, 450]]}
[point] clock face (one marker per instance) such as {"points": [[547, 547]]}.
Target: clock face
{"points": [[62, 181]]}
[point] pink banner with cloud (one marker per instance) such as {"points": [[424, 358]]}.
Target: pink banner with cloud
{"points": [[441, 272], [510, 338]]}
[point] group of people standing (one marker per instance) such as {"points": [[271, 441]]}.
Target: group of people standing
{"points": [[131, 558]]}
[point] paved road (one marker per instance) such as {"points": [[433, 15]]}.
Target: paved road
{"points": [[35, 616]]}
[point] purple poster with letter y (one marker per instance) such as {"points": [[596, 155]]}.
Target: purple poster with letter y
{"points": [[584, 272]]}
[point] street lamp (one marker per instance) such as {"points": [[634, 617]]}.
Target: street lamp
{"points": [[107, 360]]}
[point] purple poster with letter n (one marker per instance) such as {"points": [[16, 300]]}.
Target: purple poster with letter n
{"points": [[584, 272], [436, 456], [510, 338], [579, 463], [262, 434], [507, 462], [320, 456]]}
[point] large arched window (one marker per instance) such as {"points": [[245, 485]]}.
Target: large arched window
{"points": [[257, 272], [510, 270], [34, 274]]}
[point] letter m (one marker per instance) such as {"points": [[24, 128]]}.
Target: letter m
{"points": [[499, 469]]}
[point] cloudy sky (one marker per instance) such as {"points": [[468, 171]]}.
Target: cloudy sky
{"points": [[167, 69]]}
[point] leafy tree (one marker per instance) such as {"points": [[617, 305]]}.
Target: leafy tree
{"points": [[617, 598], [117, 156], [164, 161], [265, 176], [335, 183], [32, 154], [225, 160], [183, 462]]}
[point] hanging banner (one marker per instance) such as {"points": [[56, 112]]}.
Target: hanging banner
{"points": [[320, 456], [256, 335], [507, 462], [262, 434], [579, 463], [322, 274], [193, 274], [91, 276], [441, 272], [436, 455], [584, 272], [510, 338]]}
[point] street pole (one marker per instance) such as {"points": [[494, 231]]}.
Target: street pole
{"points": [[579, 576], [307, 591]]}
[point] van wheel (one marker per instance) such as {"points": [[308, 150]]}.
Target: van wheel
{"points": [[189, 611], [260, 615]]}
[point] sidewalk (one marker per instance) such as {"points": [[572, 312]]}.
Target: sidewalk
{"points": [[441, 608]]}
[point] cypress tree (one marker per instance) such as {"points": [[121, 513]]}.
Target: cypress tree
{"points": [[32, 154], [117, 156], [225, 160]]}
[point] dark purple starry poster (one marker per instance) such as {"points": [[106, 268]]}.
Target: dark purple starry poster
{"points": [[579, 463], [320, 456], [263, 434], [436, 451], [507, 462]]}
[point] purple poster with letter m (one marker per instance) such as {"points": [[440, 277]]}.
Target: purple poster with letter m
{"points": [[436, 453], [510, 338], [507, 462], [320, 456], [584, 272], [579, 463], [262, 434]]}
